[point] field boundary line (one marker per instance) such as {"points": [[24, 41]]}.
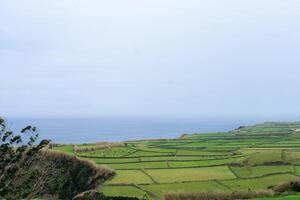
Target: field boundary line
{"points": [[283, 152], [233, 172], [187, 155], [267, 175], [187, 167], [153, 195], [152, 179], [294, 170], [167, 162], [130, 153], [160, 168], [176, 152], [222, 184], [152, 161]]}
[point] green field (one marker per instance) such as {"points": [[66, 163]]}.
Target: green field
{"points": [[190, 174], [130, 191], [258, 171], [130, 177], [252, 157]]}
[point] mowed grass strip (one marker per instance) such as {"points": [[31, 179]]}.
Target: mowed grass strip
{"points": [[114, 160], [154, 150], [124, 191], [258, 183], [182, 158], [198, 144], [211, 162], [139, 165], [249, 172], [161, 189], [148, 153], [129, 177], [190, 174], [199, 152]]}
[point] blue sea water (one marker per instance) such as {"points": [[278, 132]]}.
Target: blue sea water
{"points": [[83, 130]]}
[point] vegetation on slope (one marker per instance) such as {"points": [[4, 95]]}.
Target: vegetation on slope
{"points": [[249, 158], [29, 170]]}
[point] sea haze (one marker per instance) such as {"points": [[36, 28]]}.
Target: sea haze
{"points": [[83, 130]]}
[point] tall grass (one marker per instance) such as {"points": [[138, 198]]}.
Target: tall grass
{"points": [[218, 195]]}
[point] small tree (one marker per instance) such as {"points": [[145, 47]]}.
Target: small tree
{"points": [[16, 151]]}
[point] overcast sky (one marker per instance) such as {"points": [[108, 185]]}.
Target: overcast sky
{"points": [[150, 57]]}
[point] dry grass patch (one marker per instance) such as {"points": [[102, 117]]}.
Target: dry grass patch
{"points": [[219, 195]]}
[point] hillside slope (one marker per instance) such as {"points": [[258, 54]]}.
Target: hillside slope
{"points": [[54, 175], [248, 158]]}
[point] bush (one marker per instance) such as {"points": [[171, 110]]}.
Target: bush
{"points": [[288, 186], [67, 176], [16, 152], [29, 170], [95, 195]]}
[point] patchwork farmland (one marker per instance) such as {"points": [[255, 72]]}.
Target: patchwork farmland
{"points": [[248, 158]]}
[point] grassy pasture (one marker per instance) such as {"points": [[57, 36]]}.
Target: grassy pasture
{"points": [[209, 162], [190, 174], [64, 148], [180, 158], [130, 177], [297, 170], [258, 183], [250, 172], [292, 156], [263, 156], [140, 165], [185, 152], [125, 190], [114, 160], [160, 189], [251, 157], [198, 144]]}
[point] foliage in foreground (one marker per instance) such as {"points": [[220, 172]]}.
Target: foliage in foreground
{"points": [[29, 170], [16, 154]]}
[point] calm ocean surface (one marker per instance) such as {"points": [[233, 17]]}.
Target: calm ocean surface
{"points": [[82, 130]]}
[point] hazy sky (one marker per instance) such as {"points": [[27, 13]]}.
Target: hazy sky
{"points": [[149, 57]]}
